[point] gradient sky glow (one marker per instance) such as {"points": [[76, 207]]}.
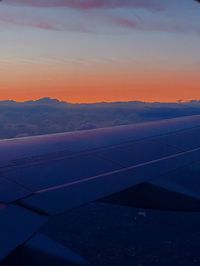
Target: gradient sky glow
{"points": [[100, 50]]}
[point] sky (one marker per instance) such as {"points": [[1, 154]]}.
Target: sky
{"points": [[100, 50]]}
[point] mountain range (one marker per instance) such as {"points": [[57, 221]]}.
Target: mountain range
{"points": [[47, 115]]}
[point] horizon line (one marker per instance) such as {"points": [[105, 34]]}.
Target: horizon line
{"points": [[97, 102]]}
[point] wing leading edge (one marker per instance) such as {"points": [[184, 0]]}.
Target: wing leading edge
{"points": [[153, 165]]}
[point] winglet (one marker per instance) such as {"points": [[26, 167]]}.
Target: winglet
{"points": [[41, 250]]}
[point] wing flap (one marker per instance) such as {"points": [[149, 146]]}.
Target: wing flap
{"points": [[70, 195], [41, 250], [17, 225]]}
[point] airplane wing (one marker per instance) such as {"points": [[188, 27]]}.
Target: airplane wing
{"points": [[154, 165]]}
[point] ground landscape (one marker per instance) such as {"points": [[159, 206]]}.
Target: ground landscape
{"points": [[47, 115]]}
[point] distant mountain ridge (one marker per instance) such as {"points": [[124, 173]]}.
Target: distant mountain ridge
{"points": [[47, 115], [45, 100], [53, 101]]}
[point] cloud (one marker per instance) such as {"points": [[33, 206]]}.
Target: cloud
{"points": [[37, 20], [92, 4], [17, 20], [18, 16], [93, 21], [124, 22]]}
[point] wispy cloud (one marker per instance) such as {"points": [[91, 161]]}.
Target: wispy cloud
{"points": [[36, 20], [25, 21], [92, 4], [89, 9], [124, 22], [94, 15]]}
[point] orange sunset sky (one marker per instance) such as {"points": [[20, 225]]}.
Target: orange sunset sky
{"points": [[94, 53]]}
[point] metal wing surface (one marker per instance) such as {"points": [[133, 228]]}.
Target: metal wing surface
{"points": [[155, 165]]}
